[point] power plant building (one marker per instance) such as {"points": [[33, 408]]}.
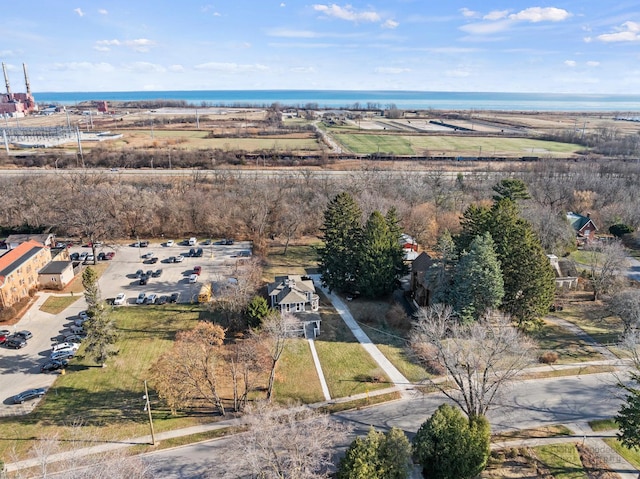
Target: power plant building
{"points": [[17, 104]]}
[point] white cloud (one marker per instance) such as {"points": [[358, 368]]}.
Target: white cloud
{"points": [[303, 70], [627, 32], [540, 14], [103, 11], [83, 66], [468, 13], [592, 63], [145, 67], [391, 70], [458, 73], [486, 28], [231, 67], [176, 68], [217, 14], [138, 44], [588, 39], [391, 24], [283, 4], [347, 13], [286, 33], [570, 63], [496, 15], [7, 53], [79, 12]]}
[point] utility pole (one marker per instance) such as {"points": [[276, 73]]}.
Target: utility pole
{"points": [[147, 408]]}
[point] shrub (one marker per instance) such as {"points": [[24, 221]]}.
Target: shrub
{"points": [[548, 357]]}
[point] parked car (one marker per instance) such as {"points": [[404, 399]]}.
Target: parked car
{"points": [[76, 329], [3, 338], [170, 259], [227, 241], [27, 395], [24, 334], [101, 256], [144, 244], [4, 332], [179, 259], [147, 255], [66, 353], [170, 243], [83, 315], [74, 338], [174, 298], [193, 241], [162, 299], [199, 252], [74, 256], [139, 273], [206, 242], [151, 299], [15, 342], [89, 258], [192, 252], [53, 365], [83, 256], [120, 299], [65, 345], [157, 273], [193, 278], [141, 297], [153, 260], [109, 255], [143, 280], [197, 270]]}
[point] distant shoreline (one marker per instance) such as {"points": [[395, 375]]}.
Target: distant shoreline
{"points": [[337, 99]]}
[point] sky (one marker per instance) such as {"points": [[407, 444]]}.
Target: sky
{"points": [[555, 46]]}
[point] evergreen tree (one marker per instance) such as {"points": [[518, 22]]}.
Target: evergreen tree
{"points": [[478, 285], [395, 238], [91, 288], [378, 258], [526, 272], [101, 335], [450, 446], [511, 188], [628, 417], [338, 258], [257, 309], [377, 456]]}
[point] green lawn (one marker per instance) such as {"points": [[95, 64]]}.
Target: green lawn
{"points": [[57, 304], [562, 460], [570, 348], [108, 399], [370, 143], [631, 455], [296, 375], [300, 259], [603, 425]]}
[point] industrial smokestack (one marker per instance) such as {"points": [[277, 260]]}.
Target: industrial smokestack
{"points": [[6, 80], [26, 78]]}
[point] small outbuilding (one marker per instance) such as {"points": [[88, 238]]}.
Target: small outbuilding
{"points": [[56, 275]]}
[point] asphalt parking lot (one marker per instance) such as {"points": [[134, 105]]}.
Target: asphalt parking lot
{"points": [[20, 368]]}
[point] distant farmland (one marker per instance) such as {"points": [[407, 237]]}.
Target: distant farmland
{"points": [[449, 145]]}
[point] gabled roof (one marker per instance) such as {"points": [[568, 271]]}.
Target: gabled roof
{"points": [[291, 289], [578, 221], [422, 262], [15, 258]]}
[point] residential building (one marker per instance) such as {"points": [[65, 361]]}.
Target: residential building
{"points": [[13, 241], [19, 270], [419, 287], [293, 293], [584, 227]]}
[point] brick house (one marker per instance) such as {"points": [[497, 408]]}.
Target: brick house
{"points": [[19, 271], [56, 274], [584, 227]]}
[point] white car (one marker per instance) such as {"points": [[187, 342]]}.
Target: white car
{"points": [[83, 315], [178, 259], [193, 278], [151, 299], [63, 354], [120, 299], [141, 298], [170, 243], [65, 346]]}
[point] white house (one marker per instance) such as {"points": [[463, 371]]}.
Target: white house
{"points": [[293, 294]]}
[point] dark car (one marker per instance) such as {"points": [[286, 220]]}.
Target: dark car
{"points": [[101, 256], [139, 273], [149, 273], [157, 273], [174, 297], [162, 300], [74, 256], [153, 260], [227, 241], [28, 394], [199, 252], [15, 342], [24, 334], [192, 252], [144, 244], [53, 365], [171, 259], [144, 279]]}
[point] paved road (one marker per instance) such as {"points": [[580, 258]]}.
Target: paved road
{"points": [[527, 404]]}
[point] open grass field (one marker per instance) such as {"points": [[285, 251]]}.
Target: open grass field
{"points": [[300, 259], [57, 304], [444, 145], [595, 319], [108, 400]]}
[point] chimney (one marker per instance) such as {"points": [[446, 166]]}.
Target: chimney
{"points": [[6, 80], [26, 78]]}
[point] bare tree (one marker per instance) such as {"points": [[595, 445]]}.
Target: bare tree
{"points": [[480, 358], [276, 329], [233, 296], [245, 366], [295, 443], [626, 304], [607, 261]]}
